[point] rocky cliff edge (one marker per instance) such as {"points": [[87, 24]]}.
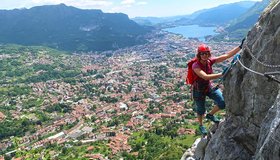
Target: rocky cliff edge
{"points": [[251, 129]]}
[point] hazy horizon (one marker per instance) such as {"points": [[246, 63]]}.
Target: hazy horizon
{"points": [[133, 8]]}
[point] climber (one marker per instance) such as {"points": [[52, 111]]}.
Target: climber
{"points": [[202, 85]]}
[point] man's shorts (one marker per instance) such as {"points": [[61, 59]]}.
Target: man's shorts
{"points": [[199, 98]]}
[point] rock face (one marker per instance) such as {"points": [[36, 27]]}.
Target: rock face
{"points": [[251, 129]]}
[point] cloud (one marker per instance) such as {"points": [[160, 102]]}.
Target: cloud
{"points": [[116, 9], [80, 3], [91, 3], [142, 3], [128, 2], [47, 1]]}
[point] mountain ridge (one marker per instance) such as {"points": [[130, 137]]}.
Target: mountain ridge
{"points": [[69, 28], [203, 15], [249, 18], [239, 27]]}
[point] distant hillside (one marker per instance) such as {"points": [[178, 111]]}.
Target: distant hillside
{"points": [[249, 18], [151, 21], [165, 21], [68, 28], [239, 27], [220, 15]]}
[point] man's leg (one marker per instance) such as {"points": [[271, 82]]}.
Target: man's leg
{"points": [[201, 127], [199, 99], [214, 110], [217, 96], [200, 117]]}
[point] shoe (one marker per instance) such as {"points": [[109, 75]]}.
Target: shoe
{"points": [[212, 118], [202, 130]]}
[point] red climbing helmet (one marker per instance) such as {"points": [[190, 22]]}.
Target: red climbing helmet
{"points": [[203, 48]]}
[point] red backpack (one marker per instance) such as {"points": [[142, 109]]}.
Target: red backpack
{"points": [[191, 77]]}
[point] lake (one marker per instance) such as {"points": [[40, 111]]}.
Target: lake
{"points": [[193, 31]]}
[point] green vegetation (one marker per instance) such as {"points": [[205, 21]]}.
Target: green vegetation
{"points": [[14, 91], [51, 75], [60, 107], [16, 128], [66, 151], [17, 49], [29, 103], [21, 65], [109, 99], [161, 143]]}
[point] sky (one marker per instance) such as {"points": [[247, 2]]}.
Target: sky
{"points": [[133, 8]]}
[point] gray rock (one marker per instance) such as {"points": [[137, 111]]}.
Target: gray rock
{"points": [[251, 129], [197, 150], [200, 149], [269, 142]]}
